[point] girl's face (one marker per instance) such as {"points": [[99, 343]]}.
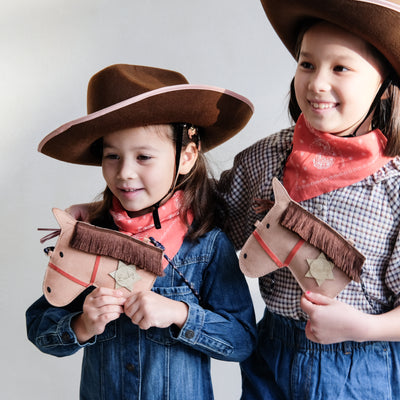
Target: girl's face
{"points": [[336, 80], [139, 166]]}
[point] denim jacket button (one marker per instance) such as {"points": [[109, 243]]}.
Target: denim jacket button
{"points": [[130, 367], [189, 334]]}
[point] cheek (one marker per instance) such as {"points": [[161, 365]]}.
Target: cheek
{"points": [[299, 82], [299, 90], [103, 170], [160, 177], [106, 170]]}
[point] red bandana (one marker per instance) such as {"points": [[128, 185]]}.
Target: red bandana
{"points": [[321, 162], [173, 229]]}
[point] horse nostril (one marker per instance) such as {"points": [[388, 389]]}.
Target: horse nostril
{"points": [[48, 289], [47, 250]]}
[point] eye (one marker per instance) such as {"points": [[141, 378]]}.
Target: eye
{"points": [[306, 65], [111, 156], [144, 157], [340, 68], [268, 225], [61, 254]]}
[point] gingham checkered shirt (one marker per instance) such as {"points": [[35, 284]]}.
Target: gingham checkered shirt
{"points": [[367, 213]]}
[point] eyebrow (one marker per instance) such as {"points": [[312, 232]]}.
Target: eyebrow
{"points": [[341, 58], [147, 147], [305, 54]]}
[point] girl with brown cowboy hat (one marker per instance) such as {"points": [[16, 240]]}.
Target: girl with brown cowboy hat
{"points": [[148, 128], [341, 162]]}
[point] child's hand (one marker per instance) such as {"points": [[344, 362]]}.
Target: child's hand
{"points": [[100, 307], [148, 309], [332, 321], [79, 211]]}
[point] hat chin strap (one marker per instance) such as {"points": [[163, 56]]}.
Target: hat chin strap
{"points": [[156, 217], [384, 86]]}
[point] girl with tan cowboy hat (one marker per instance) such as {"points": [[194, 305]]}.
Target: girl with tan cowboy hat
{"points": [[341, 162], [148, 129]]}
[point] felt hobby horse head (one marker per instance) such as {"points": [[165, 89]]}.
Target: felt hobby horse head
{"points": [[320, 259], [86, 255]]}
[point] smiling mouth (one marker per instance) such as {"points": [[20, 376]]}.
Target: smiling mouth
{"points": [[322, 106], [128, 190]]}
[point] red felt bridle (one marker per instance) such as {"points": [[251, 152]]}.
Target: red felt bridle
{"points": [[76, 280], [273, 256]]}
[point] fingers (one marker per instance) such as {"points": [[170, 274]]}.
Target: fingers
{"points": [[310, 301], [103, 295], [310, 334], [322, 324], [104, 300], [136, 311], [102, 306], [147, 309], [317, 298], [308, 305], [305, 304]]}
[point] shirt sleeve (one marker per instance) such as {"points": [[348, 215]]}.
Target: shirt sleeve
{"points": [[223, 326], [49, 328], [392, 278], [250, 179], [235, 186]]}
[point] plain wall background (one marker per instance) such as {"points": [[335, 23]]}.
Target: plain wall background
{"points": [[49, 50]]}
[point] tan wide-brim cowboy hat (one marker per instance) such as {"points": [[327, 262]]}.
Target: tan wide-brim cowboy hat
{"points": [[377, 22], [122, 96]]}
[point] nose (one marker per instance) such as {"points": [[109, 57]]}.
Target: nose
{"points": [[319, 81], [126, 170], [48, 250]]}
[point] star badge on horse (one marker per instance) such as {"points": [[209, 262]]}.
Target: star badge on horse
{"points": [[86, 255], [320, 259]]}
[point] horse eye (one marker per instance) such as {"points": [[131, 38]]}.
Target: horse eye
{"points": [[61, 254], [245, 255], [48, 289], [268, 226]]}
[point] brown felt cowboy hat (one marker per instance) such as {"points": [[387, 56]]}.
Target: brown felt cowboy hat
{"points": [[122, 96], [377, 22]]}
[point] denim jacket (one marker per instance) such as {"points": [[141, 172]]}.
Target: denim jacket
{"points": [[126, 362]]}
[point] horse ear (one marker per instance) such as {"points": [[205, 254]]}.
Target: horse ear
{"points": [[63, 217], [280, 193]]}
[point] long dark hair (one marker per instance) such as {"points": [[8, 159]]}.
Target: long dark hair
{"points": [[198, 186], [385, 115]]}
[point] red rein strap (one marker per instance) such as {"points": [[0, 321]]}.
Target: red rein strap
{"points": [[76, 280], [274, 258]]}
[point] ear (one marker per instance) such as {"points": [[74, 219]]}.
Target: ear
{"points": [[63, 217], [280, 193], [385, 95], [188, 158]]}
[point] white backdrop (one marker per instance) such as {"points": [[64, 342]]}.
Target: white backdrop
{"points": [[49, 50]]}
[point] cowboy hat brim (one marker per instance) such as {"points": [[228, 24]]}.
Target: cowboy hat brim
{"points": [[377, 22], [219, 112]]}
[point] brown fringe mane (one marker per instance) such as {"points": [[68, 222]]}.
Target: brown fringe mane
{"points": [[323, 237], [106, 242]]}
